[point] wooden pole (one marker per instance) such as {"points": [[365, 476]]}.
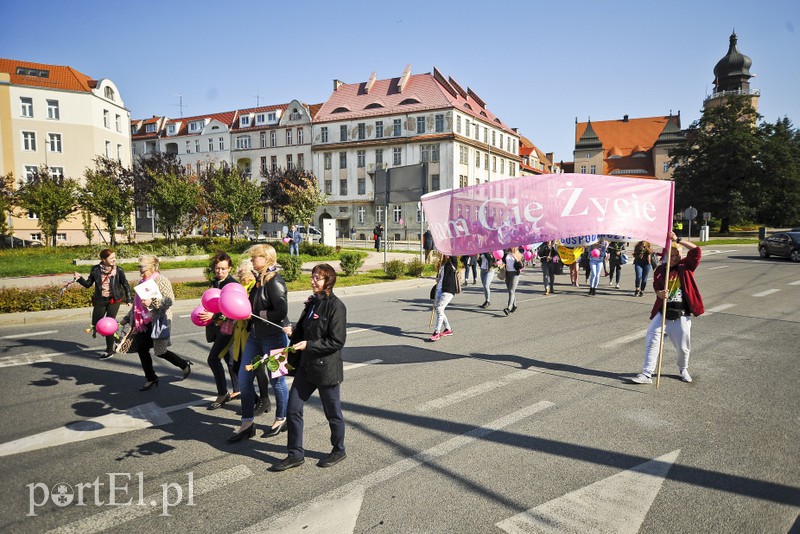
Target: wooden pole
{"points": [[663, 315]]}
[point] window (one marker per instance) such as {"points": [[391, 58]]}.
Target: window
{"points": [[435, 185], [362, 214], [119, 151], [243, 142], [195, 126], [494, 139], [244, 121], [397, 158], [29, 141], [477, 159], [273, 138], [458, 124], [593, 169], [666, 166], [288, 137], [328, 187], [53, 111], [343, 187], [30, 172], [197, 145], [118, 123], [378, 129], [61, 236], [324, 133], [294, 115], [222, 143], [463, 155], [105, 119], [299, 136], [342, 160], [150, 128], [57, 172], [378, 155], [502, 165], [467, 127], [263, 138], [429, 152], [361, 158], [289, 163], [109, 92], [485, 134], [501, 141], [486, 162], [343, 133], [397, 213], [379, 214], [273, 163], [512, 169], [26, 107], [462, 182], [260, 118], [420, 125], [108, 149], [54, 142], [477, 131], [362, 130], [494, 163], [301, 162], [362, 186], [263, 164], [327, 160], [396, 127], [583, 169], [439, 123]]}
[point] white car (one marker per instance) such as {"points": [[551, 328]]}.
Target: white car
{"points": [[313, 232]]}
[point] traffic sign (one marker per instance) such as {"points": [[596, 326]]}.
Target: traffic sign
{"points": [[690, 213]]}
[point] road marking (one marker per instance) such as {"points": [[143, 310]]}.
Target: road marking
{"points": [[298, 519], [712, 252], [11, 361], [359, 330], [719, 267], [138, 417], [717, 309], [765, 293], [618, 503], [480, 389], [112, 518], [796, 283], [31, 334], [625, 339], [350, 366]]}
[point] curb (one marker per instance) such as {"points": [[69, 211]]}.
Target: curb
{"points": [[186, 306]]}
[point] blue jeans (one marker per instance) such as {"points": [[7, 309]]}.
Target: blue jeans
{"points": [[642, 272], [260, 346], [594, 273], [294, 248], [486, 279]]}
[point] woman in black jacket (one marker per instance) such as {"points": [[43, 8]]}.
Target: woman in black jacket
{"points": [[111, 289], [548, 251], [446, 289], [317, 341]]}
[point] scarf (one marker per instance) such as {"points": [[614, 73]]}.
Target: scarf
{"points": [[141, 315]]}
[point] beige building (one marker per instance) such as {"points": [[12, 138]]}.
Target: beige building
{"points": [[56, 116]]}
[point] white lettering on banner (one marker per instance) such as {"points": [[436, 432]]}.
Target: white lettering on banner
{"points": [[530, 209], [645, 211]]}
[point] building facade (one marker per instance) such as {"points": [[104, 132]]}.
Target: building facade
{"points": [[55, 116]]}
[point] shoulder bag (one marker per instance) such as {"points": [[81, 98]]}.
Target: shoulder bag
{"points": [[160, 327]]}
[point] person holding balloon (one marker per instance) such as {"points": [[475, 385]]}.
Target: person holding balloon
{"points": [[269, 306], [219, 329], [145, 314], [597, 255], [111, 289]]}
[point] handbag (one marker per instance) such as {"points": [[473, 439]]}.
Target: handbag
{"points": [[160, 328], [623, 259], [653, 260], [433, 291], [501, 273]]}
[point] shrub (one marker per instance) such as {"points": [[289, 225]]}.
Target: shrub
{"points": [[415, 267], [316, 249], [291, 267], [394, 268], [351, 262]]}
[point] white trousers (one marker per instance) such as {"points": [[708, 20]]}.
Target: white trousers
{"points": [[679, 331], [441, 319]]}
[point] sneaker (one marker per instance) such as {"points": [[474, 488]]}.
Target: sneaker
{"points": [[435, 337], [332, 459], [642, 378], [616, 286], [447, 332], [685, 376], [106, 356], [287, 463]]}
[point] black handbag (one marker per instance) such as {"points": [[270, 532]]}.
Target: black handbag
{"points": [[433, 291]]}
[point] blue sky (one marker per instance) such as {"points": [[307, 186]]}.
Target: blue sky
{"points": [[538, 65]]}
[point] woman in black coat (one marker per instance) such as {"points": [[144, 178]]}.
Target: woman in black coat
{"points": [[111, 289], [317, 341]]}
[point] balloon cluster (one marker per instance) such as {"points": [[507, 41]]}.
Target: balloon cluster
{"points": [[231, 301]]}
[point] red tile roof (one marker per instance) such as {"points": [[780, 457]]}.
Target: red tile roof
{"points": [[59, 77], [623, 136]]}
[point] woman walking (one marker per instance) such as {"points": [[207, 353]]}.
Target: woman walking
{"points": [[220, 333], [642, 255], [317, 340], [151, 318], [446, 289], [111, 289], [488, 270], [548, 253], [513, 265], [597, 255], [270, 306], [615, 250]]}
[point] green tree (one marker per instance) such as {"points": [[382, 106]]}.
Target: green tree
{"points": [[780, 174], [108, 193], [149, 165], [52, 198], [294, 193], [175, 199], [232, 197], [716, 168], [6, 202]]}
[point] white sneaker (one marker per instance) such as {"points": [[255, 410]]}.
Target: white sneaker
{"points": [[642, 378], [617, 286], [685, 376]]}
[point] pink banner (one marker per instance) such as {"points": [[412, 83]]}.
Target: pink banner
{"points": [[530, 209]]}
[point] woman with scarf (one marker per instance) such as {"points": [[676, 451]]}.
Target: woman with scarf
{"points": [[111, 289], [268, 298], [148, 313]]}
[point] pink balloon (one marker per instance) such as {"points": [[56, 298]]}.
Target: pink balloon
{"points": [[196, 316], [595, 253], [106, 326], [526, 247], [527, 255], [286, 239], [233, 288], [235, 306], [210, 299], [498, 254]]}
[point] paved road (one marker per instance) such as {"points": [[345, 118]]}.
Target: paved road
{"points": [[514, 424]]}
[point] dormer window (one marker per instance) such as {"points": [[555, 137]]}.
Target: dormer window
{"points": [[374, 105], [295, 115], [408, 101], [195, 126], [244, 121], [109, 92], [271, 117], [171, 129], [260, 118], [133, 129], [150, 128], [340, 109]]}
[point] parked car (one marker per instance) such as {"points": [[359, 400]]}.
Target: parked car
{"points": [[783, 244], [313, 232]]}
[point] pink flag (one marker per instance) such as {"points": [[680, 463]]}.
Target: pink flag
{"points": [[531, 209]]}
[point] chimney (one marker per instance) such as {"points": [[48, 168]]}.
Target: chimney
{"points": [[624, 118], [337, 84]]}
